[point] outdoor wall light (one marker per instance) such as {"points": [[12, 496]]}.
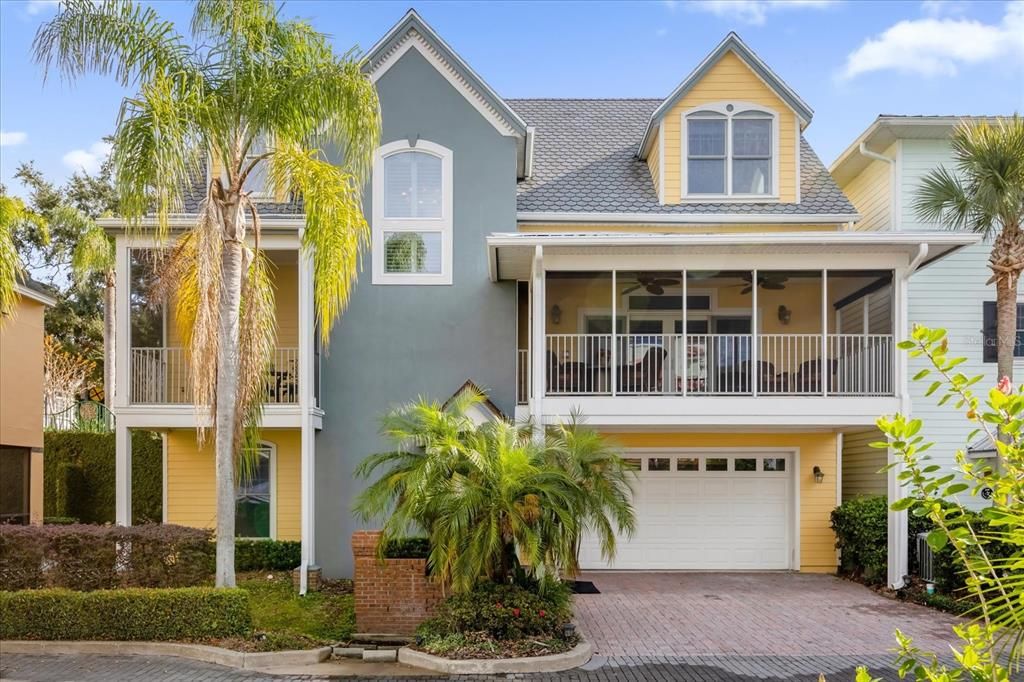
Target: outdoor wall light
{"points": [[556, 314], [819, 475], [785, 314]]}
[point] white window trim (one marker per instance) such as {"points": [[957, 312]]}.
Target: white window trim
{"points": [[273, 492], [720, 108], [381, 224]]}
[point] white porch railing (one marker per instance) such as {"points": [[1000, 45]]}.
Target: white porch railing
{"points": [[161, 376], [715, 364]]}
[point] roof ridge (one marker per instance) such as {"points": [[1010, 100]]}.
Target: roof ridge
{"points": [[584, 99]]}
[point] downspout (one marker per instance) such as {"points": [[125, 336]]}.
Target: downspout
{"points": [[922, 253], [874, 155], [893, 202]]}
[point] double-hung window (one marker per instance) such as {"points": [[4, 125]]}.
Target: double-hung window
{"points": [[254, 496], [257, 183], [730, 151], [412, 214]]}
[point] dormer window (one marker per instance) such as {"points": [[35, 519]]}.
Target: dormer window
{"points": [[730, 150]]}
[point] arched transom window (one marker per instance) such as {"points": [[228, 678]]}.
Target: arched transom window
{"points": [[412, 214], [730, 150]]}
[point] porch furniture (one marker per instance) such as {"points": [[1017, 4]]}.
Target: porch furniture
{"points": [[808, 379], [644, 376]]}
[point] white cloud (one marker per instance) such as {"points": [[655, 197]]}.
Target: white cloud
{"points": [[940, 46], [753, 11], [39, 6], [9, 138], [939, 8], [89, 159]]}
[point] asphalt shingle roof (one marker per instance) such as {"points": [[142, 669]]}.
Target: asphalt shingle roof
{"points": [[585, 162]]}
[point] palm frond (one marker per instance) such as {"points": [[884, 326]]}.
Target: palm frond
{"points": [[14, 215], [94, 252]]}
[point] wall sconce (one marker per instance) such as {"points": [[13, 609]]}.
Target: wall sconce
{"points": [[785, 314], [819, 475], [556, 314]]}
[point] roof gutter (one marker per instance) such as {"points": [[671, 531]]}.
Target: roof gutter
{"points": [[685, 218], [874, 155]]}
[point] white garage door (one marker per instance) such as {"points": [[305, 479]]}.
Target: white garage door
{"points": [[706, 510]]}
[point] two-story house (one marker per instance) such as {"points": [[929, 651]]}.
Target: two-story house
{"points": [[681, 270], [881, 172]]}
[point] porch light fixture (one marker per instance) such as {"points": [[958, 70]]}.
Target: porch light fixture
{"points": [[556, 314], [819, 475], [785, 314]]}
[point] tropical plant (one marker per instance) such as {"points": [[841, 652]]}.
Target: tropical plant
{"points": [[14, 216], [262, 97], [491, 499], [993, 644], [984, 193], [94, 255], [604, 479]]}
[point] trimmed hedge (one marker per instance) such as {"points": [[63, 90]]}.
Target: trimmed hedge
{"points": [[125, 615], [862, 531], [407, 548], [78, 476], [267, 555], [81, 557]]}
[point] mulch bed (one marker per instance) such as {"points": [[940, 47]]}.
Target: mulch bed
{"points": [[477, 645]]}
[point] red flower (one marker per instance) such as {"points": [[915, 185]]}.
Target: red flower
{"points": [[499, 605], [541, 613], [515, 612], [1005, 386]]}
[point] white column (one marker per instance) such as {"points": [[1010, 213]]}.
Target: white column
{"points": [[122, 476], [755, 338], [613, 371], [897, 521], [306, 404], [122, 335], [538, 349], [826, 374]]}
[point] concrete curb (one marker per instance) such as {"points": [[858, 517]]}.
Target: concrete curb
{"points": [[554, 663], [196, 652]]}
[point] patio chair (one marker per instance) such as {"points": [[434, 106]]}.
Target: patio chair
{"points": [[645, 375], [808, 379]]}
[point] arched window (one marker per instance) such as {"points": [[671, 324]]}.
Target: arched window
{"points": [[254, 496], [412, 214], [730, 150]]}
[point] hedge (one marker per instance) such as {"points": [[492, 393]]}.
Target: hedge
{"points": [[78, 476], [81, 557], [267, 555], [862, 529], [124, 615], [407, 548]]}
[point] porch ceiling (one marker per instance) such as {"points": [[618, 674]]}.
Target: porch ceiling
{"points": [[510, 254]]}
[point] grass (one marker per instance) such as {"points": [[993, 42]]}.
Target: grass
{"points": [[284, 620]]}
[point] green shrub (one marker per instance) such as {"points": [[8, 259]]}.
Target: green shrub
{"points": [[948, 568], [267, 555], [500, 611], [407, 548], [59, 520], [89, 557], [78, 476], [127, 614], [862, 532]]}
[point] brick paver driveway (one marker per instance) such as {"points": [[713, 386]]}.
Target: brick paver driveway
{"points": [[748, 614]]}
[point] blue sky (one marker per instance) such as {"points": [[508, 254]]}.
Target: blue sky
{"points": [[850, 60]]}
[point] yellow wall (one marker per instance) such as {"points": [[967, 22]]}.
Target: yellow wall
{"points": [[817, 500], [731, 80], [21, 375], [654, 166], [870, 194], [191, 492]]}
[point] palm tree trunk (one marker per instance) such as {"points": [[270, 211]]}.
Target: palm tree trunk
{"points": [[1006, 263], [109, 338], [227, 394]]}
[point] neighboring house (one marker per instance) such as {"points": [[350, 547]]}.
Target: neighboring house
{"points": [[676, 269], [881, 172], [21, 405]]}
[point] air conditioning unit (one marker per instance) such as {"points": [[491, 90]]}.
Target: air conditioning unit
{"points": [[925, 559]]}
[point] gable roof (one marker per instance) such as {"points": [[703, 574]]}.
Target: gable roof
{"points": [[584, 161], [731, 43], [485, 410], [413, 32]]}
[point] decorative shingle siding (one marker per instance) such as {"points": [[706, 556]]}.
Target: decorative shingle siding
{"points": [[585, 161]]}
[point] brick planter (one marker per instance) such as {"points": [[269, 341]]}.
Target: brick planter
{"points": [[392, 596]]}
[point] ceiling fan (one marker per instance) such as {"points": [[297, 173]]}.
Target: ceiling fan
{"points": [[652, 283], [772, 282]]}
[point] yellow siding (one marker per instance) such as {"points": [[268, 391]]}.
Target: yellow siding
{"points": [[661, 228], [191, 492], [862, 464], [871, 194], [731, 80], [21, 374], [817, 500], [654, 166]]}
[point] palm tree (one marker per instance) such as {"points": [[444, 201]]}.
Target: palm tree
{"points": [[984, 193], [258, 95], [14, 215], [490, 498]]}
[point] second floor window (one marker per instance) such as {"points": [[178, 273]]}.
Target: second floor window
{"points": [[729, 152], [412, 214]]}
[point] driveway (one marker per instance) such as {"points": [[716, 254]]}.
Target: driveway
{"points": [[749, 614]]}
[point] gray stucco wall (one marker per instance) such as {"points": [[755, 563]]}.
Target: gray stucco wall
{"points": [[394, 343]]}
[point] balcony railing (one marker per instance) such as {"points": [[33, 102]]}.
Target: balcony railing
{"points": [[714, 365], [161, 376]]}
